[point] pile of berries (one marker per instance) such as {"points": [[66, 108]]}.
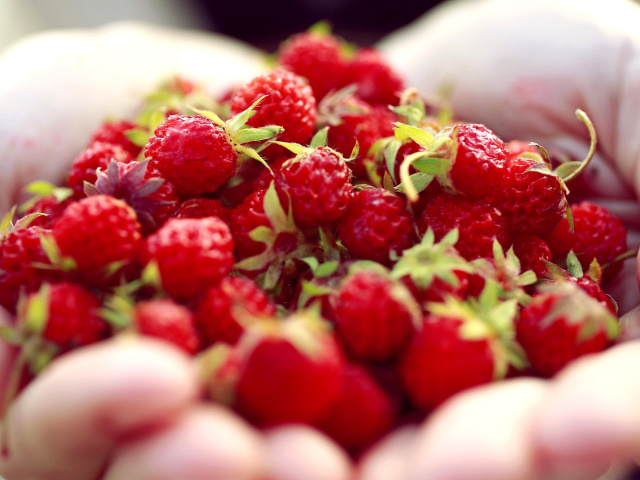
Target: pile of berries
{"points": [[331, 249]]}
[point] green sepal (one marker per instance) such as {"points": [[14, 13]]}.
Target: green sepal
{"points": [[248, 135], [37, 311], [320, 138], [295, 148], [11, 335], [569, 215], [210, 115], [6, 225], [138, 136], [405, 132], [151, 276], [573, 265]]}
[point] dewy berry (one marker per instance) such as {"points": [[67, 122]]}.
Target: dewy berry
{"points": [[329, 248]]}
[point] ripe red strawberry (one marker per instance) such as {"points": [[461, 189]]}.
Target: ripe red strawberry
{"points": [[478, 224], [203, 207], [374, 315], [377, 81], [480, 161], [64, 313], [597, 234], [291, 371], [363, 412], [460, 345], [533, 202], [248, 216], [225, 309], [51, 206], [143, 188], [316, 56], [318, 185], [167, 320], [193, 153], [289, 103], [561, 324], [376, 225], [20, 254], [532, 251], [115, 134], [84, 167], [192, 254], [98, 232]]}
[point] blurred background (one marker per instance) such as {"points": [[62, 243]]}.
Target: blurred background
{"points": [[263, 24]]}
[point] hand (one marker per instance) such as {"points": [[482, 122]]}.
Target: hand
{"points": [[124, 409], [523, 68]]}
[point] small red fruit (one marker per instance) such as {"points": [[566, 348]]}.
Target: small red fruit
{"points": [[169, 321]]}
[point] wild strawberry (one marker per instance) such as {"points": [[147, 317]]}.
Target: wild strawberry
{"points": [[289, 103], [225, 309], [51, 206], [316, 56], [143, 188], [374, 315], [597, 233], [84, 167], [169, 321], [376, 226], [64, 313], [459, 345], [203, 207], [21, 256], [290, 371], [198, 153], [561, 324], [98, 233], [318, 185], [480, 160], [533, 252], [478, 224], [532, 201], [363, 412], [245, 218], [432, 271], [377, 81], [191, 254], [115, 134]]}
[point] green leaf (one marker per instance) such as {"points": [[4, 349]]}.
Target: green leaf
{"points": [[403, 132], [138, 136]]}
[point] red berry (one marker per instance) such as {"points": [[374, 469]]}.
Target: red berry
{"points": [[376, 225], [203, 207], [289, 103], [225, 309], [363, 412], [532, 251], [52, 209], [115, 134], [245, 218], [597, 234], [193, 153], [191, 254], [478, 224], [165, 319], [316, 57], [318, 185], [374, 316], [378, 83], [96, 232], [84, 167]]}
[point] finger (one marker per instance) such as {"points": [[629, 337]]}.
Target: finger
{"points": [[66, 422], [481, 434], [388, 458], [591, 414], [207, 443], [62, 85], [297, 451]]}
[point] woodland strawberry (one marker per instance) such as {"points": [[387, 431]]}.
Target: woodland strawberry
{"points": [[191, 255], [596, 233], [376, 226], [533, 252], [98, 233], [291, 371], [478, 224], [248, 216], [84, 167], [561, 324], [51, 206], [289, 103], [225, 309], [169, 321], [377, 81], [115, 134], [374, 315], [316, 56], [203, 207], [318, 185], [362, 413]]}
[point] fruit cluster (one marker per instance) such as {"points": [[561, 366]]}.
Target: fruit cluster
{"points": [[333, 250]]}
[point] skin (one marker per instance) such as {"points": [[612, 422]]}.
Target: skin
{"points": [[148, 421]]}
